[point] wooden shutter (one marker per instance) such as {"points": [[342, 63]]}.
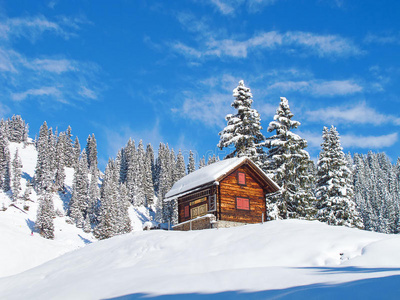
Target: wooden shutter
{"points": [[241, 178], [242, 203]]}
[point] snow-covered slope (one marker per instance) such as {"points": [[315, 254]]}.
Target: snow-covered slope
{"points": [[19, 250], [279, 259]]}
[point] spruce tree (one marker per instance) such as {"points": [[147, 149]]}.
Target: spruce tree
{"points": [[334, 190], [243, 130], [16, 176], [43, 172], [202, 162], [5, 160], [79, 202], [288, 163], [191, 167], [76, 153], [60, 163], [70, 157], [45, 215]]}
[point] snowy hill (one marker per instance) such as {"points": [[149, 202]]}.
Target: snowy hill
{"points": [[20, 250], [279, 259]]}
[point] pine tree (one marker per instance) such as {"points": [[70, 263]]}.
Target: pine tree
{"points": [[60, 163], [288, 162], [16, 176], [243, 130], [334, 190], [202, 162], [16, 129], [76, 153], [148, 180], [79, 203], [45, 215], [191, 167], [5, 160], [69, 153], [43, 173], [91, 151]]}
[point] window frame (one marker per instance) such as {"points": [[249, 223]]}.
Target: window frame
{"points": [[238, 178], [244, 198]]}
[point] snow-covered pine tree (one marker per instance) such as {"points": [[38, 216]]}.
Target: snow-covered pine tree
{"points": [[150, 157], [87, 227], [288, 162], [211, 160], [76, 153], [113, 210], [5, 159], [43, 173], [334, 190], [243, 130], [16, 176], [202, 162], [17, 129], [79, 202], [45, 215], [60, 163], [148, 179], [140, 197], [51, 151], [91, 151], [69, 153], [191, 167]]}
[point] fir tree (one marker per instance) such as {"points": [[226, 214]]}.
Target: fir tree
{"points": [[148, 180], [202, 162], [43, 173], [243, 130], [5, 160], [45, 215], [76, 153], [334, 190], [69, 153], [288, 162], [80, 192], [16, 176], [60, 163], [191, 167]]}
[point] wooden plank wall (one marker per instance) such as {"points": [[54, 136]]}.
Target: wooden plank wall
{"points": [[230, 189]]}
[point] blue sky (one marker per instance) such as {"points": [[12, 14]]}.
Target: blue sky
{"points": [[164, 71]]}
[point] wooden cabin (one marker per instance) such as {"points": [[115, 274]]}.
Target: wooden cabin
{"points": [[227, 193]]}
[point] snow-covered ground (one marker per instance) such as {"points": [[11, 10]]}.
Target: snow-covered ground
{"points": [[19, 249], [279, 259]]}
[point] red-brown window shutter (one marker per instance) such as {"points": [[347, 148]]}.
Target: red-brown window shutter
{"points": [[187, 211], [241, 178], [242, 203]]}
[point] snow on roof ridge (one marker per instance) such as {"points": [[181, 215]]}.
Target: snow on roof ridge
{"points": [[207, 174]]}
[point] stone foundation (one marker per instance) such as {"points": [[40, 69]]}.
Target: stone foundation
{"points": [[205, 222]]}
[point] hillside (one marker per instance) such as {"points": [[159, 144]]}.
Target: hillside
{"points": [[279, 259], [20, 250]]}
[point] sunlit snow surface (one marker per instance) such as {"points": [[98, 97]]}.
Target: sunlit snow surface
{"points": [[289, 259]]}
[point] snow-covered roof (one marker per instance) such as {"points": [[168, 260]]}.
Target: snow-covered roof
{"points": [[207, 175]]}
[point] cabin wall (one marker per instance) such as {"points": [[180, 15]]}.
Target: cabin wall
{"points": [[230, 189], [196, 204]]}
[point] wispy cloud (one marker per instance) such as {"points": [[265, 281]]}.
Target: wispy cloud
{"points": [[314, 140], [43, 77], [34, 26], [229, 7], [360, 113], [383, 39], [305, 43], [369, 142], [319, 87], [44, 91]]}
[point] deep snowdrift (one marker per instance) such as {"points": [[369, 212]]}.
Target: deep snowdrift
{"points": [[289, 258]]}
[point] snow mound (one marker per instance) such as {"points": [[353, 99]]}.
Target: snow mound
{"points": [[275, 259]]}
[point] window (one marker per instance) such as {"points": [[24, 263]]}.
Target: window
{"points": [[187, 211], [242, 203], [198, 211], [241, 178]]}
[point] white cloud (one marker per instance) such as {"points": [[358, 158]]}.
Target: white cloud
{"points": [[382, 39], [369, 142], [44, 91], [87, 93], [229, 7], [358, 114], [320, 45], [52, 65], [210, 110], [319, 87]]}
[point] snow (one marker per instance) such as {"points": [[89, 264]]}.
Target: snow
{"points": [[278, 259], [205, 175]]}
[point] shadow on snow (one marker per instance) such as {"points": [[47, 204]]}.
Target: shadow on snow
{"points": [[387, 287]]}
